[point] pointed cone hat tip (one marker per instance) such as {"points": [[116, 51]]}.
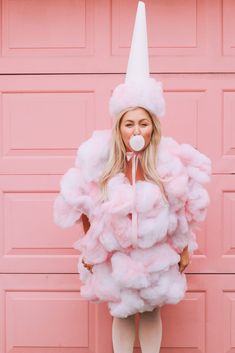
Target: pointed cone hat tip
{"points": [[139, 90], [138, 63]]}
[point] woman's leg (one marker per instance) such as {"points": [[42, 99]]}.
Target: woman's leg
{"points": [[150, 331], [123, 334]]}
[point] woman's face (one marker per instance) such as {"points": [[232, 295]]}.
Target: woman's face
{"points": [[136, 122]]}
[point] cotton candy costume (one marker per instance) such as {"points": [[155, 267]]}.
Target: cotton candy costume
{"points": [[134, 276]]}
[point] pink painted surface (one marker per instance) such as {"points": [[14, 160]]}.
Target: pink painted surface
{"points": [[50, 105], [45, 117], [46, 313], [94, 36]]}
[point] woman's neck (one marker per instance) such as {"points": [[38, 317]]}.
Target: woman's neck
{"points": [[139, 171]]}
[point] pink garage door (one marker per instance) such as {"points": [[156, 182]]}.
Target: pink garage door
{"points": [[59, 61]]}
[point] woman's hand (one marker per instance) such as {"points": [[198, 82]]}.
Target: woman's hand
{"points": [[184, 259], [86, 226], [88, 266], [85, 222]]}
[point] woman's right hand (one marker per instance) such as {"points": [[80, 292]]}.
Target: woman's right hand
{"points": [[88, 266], [184, 259], [86, 226]]}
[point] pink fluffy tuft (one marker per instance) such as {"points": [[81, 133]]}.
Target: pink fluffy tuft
{"points": [[147, 93]]}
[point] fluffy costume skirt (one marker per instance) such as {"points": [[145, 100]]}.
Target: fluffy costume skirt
{"points": [[135, 282]]}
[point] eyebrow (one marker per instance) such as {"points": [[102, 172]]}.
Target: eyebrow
{"points": [[140, 120]]}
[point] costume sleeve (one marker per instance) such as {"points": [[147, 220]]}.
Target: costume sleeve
{"points": [[79, 189], [73, 199], [194, 201]]}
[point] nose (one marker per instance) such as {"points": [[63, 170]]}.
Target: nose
{"points": [[136, 130]]}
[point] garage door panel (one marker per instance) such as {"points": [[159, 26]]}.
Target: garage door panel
{"points": [[222, 109], [228, 10], [204, 320], [24, 112], [229, 320], [208, 121], [163, 39], [46, 313], [190, 337], [220, 221], [45, 119], [30, 241], [216, 234], [187, 115], [228, 127], [67, 27], [46, 309]]}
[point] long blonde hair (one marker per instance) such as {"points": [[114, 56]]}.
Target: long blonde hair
{"points": [[117, 161]]}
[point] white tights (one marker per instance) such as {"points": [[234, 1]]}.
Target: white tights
{"points": [[150, 332]]}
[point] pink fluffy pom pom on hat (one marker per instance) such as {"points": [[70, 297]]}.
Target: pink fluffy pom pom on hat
{"points": [[138, 90]]}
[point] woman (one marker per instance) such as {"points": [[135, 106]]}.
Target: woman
{"points": [[139, 195], [132, 123], [135, 268]]}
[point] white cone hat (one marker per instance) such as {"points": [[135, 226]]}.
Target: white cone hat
{"points": [[138, 63], [139, 90]]}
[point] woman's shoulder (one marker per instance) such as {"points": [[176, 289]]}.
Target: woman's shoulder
{"points": [[176, 155], [93, 153]]}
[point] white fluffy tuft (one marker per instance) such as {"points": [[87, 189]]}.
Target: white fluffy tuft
{"points": [[147, 94]]}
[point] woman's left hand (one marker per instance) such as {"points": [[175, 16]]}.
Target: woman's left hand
{"points": [[184, 259]]}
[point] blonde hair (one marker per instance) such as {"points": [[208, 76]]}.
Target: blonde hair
{"points": [[117, 161]]}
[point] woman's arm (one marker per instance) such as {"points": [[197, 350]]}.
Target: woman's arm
{"points": [[85, 222], [86, 226], [184, 259]]}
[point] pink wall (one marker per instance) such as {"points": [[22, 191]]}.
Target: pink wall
{"points": [[66, 56]]}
